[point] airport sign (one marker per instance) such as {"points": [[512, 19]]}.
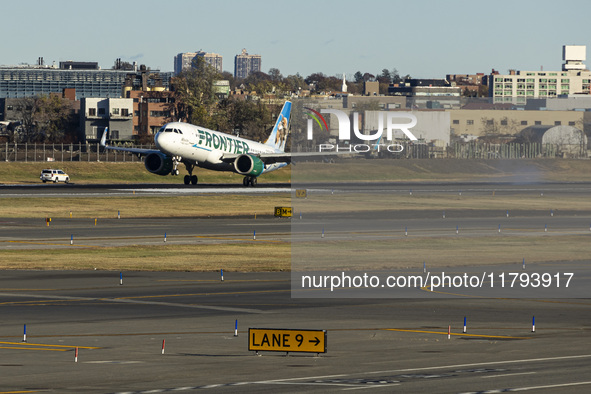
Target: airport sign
{"points": [[285, 340], [284, 212], [301, 193]]}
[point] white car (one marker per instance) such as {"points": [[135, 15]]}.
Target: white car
{"points": [[54, 176]]}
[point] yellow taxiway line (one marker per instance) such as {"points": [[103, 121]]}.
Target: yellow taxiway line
{"points": [[456, 334]]}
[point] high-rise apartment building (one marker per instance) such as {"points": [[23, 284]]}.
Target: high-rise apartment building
{"points": [[245, 64], [184, 61]]}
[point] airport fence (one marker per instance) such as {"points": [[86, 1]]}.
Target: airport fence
{"points": [[65, 152], [528, 150], [469, 150], [472, 150]]}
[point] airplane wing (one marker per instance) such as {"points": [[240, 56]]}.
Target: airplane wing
{"points": [[281, 157], [137, 151]]}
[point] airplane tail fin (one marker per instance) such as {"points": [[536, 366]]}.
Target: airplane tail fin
{"points": [[104, 137], [278, 136]]}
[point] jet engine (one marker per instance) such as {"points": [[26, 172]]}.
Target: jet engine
{"points": [[158, 163], [249, 165]]}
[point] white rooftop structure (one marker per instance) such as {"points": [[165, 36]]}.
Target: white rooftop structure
{"points": [[573, 57]]}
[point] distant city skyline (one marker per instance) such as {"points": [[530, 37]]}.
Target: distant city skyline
{"points": [[426, 39]]}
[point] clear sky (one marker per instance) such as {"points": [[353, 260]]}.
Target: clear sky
{"points": [[426, 39]]}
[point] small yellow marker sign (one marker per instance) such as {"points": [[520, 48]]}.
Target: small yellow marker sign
{"points": [[283, 212], [284, 340], [301, 193]]}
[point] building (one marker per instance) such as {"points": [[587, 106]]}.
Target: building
{"points": [[371, 88], [520, 86], [561, 103], [469, 83], [85, 77], [187, 60], [570, 141], [480, 123], [183, 61], [427, 93], [245, 64], [96, 114], [432, 125], [373, 102], [27, 81], [222, 88], [152, 102]]}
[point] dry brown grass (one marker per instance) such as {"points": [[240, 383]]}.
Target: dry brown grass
{"points": [[440, 252], [359, 202], [138, 207], [245, 256]]}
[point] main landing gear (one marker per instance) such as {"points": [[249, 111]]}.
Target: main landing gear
{"points": [[192, 179], [189, 179], [249, 181]]}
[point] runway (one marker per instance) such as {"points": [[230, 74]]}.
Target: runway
{"points": [[385, 345], [467, 188], [106, 190], [388, 345]]}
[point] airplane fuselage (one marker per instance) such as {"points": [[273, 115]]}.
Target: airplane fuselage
{"points": [[205, 148]]}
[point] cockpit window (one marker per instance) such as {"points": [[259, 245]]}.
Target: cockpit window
{"points": [[169, 130]]}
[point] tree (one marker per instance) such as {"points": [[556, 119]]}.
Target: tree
{"points": [[260, 82], [469, 93], [53, 118], [275, 75], [483, 91], [45, 119], [322, 83], [358, 77], [368, 77], [228, 76], [248, 119], [295, 83], [195, 97], [25, 114], [394, 76]]}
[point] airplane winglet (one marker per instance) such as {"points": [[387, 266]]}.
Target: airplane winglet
{"points": [[104, 137]]}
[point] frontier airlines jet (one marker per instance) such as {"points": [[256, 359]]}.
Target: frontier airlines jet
{"points": [[179, 142]]}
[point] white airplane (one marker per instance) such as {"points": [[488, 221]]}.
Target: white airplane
{"points": [[179, 142]]}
